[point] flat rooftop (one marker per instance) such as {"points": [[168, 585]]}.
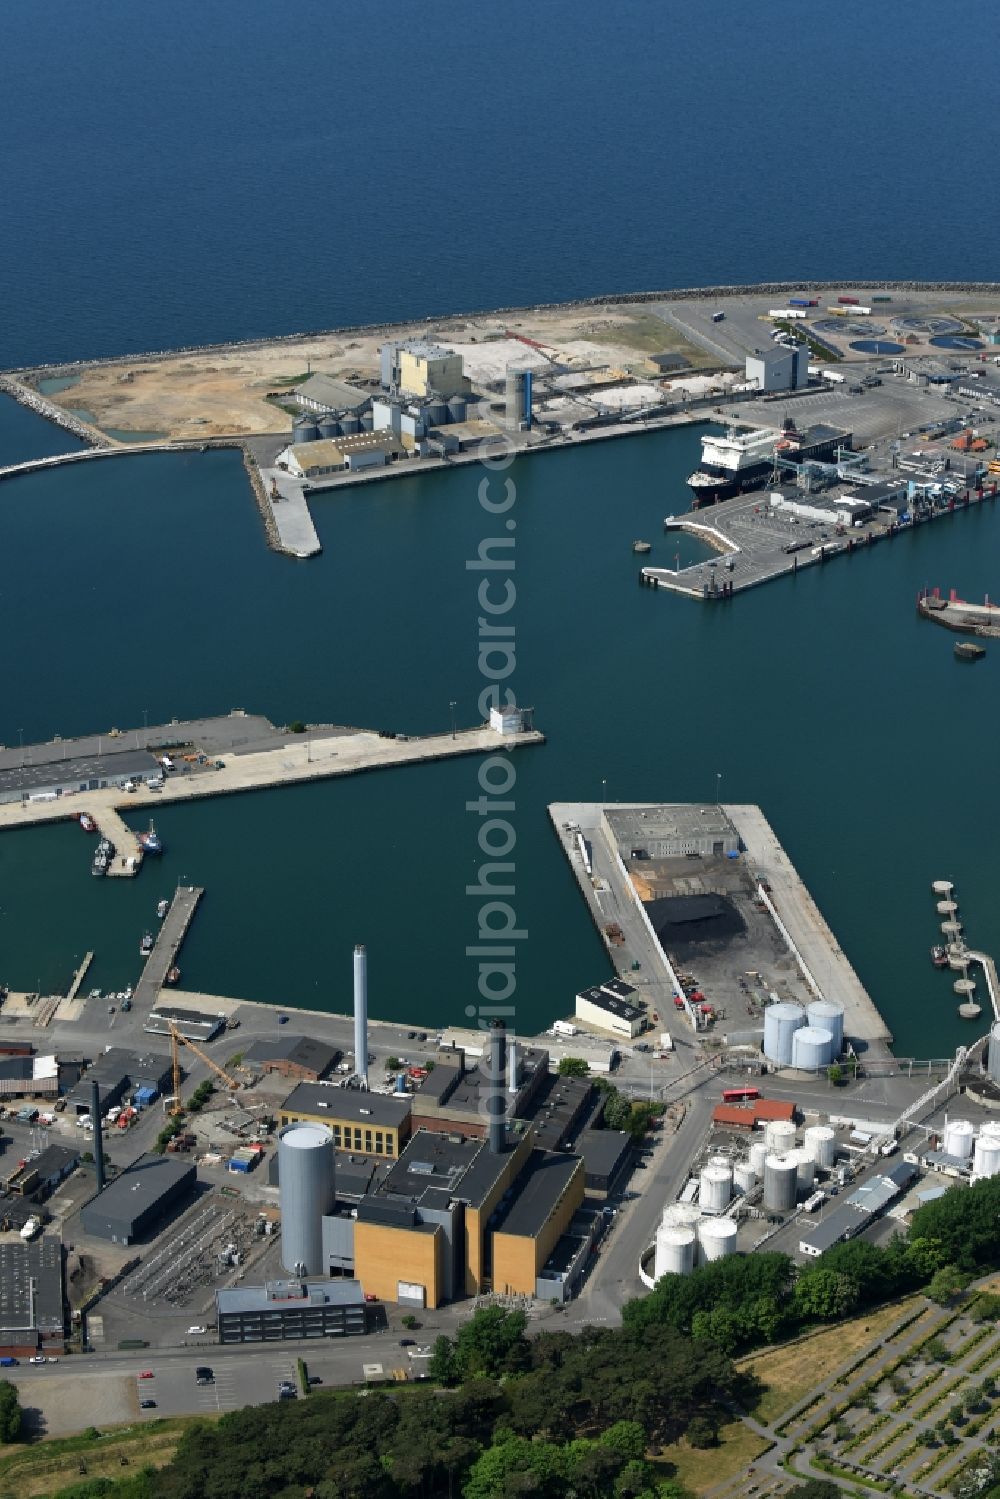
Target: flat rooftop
{"points": [[31, 1286], [77, 771], [620, 1008], [141, 1185], [300, 1051], [319, 1099], [289, 1296], [464, 1168], [630, 825], [536, 1192]]}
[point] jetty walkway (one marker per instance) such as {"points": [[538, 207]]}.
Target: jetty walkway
{"points": [[166, 947]]}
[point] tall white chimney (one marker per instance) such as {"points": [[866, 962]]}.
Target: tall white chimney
{"points": [[361, 1014], [512, 1065]]}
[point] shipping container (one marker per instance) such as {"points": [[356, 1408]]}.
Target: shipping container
{"points": [[800, 302], [718, 317], [849, 301], [881, 299], [838, 311]]}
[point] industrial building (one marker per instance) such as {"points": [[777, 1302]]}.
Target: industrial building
{"points": [[665, 831], [290, 1309], [360, 450], [419, 368], [605, 1011], [359, 1120], [138, 1200], [546, 1197], [293, 1056], [830, 507], [51, 779], [29, 1077], [31, 1297], [193, 1025], [116, 1070], [324, 393], [607, 1156], [859, 1210], [43, 1173], [781, 367], [451, 1096]]}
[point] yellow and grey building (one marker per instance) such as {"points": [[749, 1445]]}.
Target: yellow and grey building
{"points": [[361, 1122]]}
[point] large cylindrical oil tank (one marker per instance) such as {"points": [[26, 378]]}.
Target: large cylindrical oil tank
{"points": [[349, 424], [827, 1015], [812, 1048], [781, 1021], [758, 1155], [681, 1215], [716, 1188], [780, 1183], [305, 429], [436, 412], [328, 425], [717, 1238], [993, 1056], [958, 1135], [805, 1169], [675, 1251], [779, 1136], [986, 1159], [821, 1142], [457, 407], [744, 1177], [305, 1179]]}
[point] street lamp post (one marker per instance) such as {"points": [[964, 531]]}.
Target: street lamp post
{"points": [[452, 707], [718, 788]]}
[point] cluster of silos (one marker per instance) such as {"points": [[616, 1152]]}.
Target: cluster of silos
{"points": [[306, 1185], [806, 1039], [781, 1182], [986, 1157], [333, 424], [684, 1237], [820, 1141], [715, 1187]]}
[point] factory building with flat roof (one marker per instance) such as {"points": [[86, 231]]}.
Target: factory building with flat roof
{"points": [[545, 1199], [116, 1070], [31, 1297], [290, 1309], [451, 1096], [293, 1056], [139, 1199], [606, 1012], [665, 831], [361, 1121]]}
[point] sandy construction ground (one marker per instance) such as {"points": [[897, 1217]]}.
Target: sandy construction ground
{"points": [[224, 392]]}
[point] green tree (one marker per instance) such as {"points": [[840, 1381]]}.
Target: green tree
{"points": [[410, 1320], [504, 1466], [815, 1488], [946, 1284], [701, 1432], [10, 1412], [573, 1067], [392, 1064], [492, 1342], [835, 1074], [825, 1295], [442, 1364], [626, 1438]]}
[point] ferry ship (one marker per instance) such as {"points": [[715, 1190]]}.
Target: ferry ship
{"points": [[741, 460]]}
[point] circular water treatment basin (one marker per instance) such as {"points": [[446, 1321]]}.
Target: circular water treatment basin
{"points": [[931, 325], [961, 342], [876, 346]]}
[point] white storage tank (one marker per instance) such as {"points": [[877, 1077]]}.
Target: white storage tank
{"points": [[716, 1188], [744, 1177], [781, 1021], [681, 1215], [827, 1015], [805, 1169], [821, 1143], [958, 1135], [758, 1155], [306, 1189], [675, 1251], [717, 1238], [780, 1183], [986, 1160], [993, 1056], [779, 1136], [812, 1048]]}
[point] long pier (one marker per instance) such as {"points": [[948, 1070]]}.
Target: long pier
{"points": [[166, 947], [79, 976], [128, 850]]}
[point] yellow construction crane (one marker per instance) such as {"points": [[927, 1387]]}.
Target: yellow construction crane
{"points": [[176, 1041]]}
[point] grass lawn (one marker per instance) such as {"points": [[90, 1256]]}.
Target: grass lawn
{"points": [[700, 1469], [45, 1467], [790, 1372]]}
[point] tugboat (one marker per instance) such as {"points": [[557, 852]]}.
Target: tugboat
{"points": [[151, 842], [87, 823], [100, 865], [146, 945], [173, 975], [939, 957], [966, 650], [162, 907]]}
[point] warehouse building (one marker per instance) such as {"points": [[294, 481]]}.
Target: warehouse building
{"points": [[29, 1077], [781, 367], [293, 1056], [607, 1156], [830, 507], [116, 1070], [41, 1175], [324, 393], [31, 1297], [193, 1025], [361, 1121], [338, 455], [859, 1210], [139, 1199], [666, 832], [545, 1199], [290, 1309], [606, 1012]]}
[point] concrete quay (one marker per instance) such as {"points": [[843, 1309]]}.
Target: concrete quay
{"points": [[286, 500], [172, 932], [128, 850], [333, 753]]}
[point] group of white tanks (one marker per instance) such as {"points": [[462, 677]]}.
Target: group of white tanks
{"points": [[691, 1232], [806, 1038], [961, 1141]]}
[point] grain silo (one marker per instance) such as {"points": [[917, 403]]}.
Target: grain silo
{"points": [[986, 1160], [958, 1135], [436, 412], [716, 1186], [781, 1021], [717, 1238], [305, 1179], [350, 424], [457, 408], [328, 425], [758, 1155], [821, 1142], [779, 1136], [827, 1015], [812, 1048], [993, 1056], [675, 1251], [305, 429], [780, 1183]]}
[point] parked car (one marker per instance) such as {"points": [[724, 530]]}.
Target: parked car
{"points": [[147, 1405], [195, 1331], [147, 1374], [203, 1375], [37, 1358]]}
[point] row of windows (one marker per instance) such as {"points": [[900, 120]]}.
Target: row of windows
{"points": [[356, 1137]]}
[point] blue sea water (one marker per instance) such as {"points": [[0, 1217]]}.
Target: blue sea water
{"points": [[185, 173]]}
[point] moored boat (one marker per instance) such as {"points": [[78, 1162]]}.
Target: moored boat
{"points": [[87, 823], [967, 650], [939, 957], [162, 907], [146, 945], [173, 975], [151, 842]]}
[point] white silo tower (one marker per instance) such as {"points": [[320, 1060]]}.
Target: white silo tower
{"points": [[675, 1251], [779, 1136], [993, 1055], [805, 1169], [958, 1135], [780, 1183], [821, 1143], [758, 1155], [781, 1021], [744, 1177], [811, 1048], [681, 1215], [827, 1015], [986, 1159], [306, 1186], [716, 1188], [717, 1237]]}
